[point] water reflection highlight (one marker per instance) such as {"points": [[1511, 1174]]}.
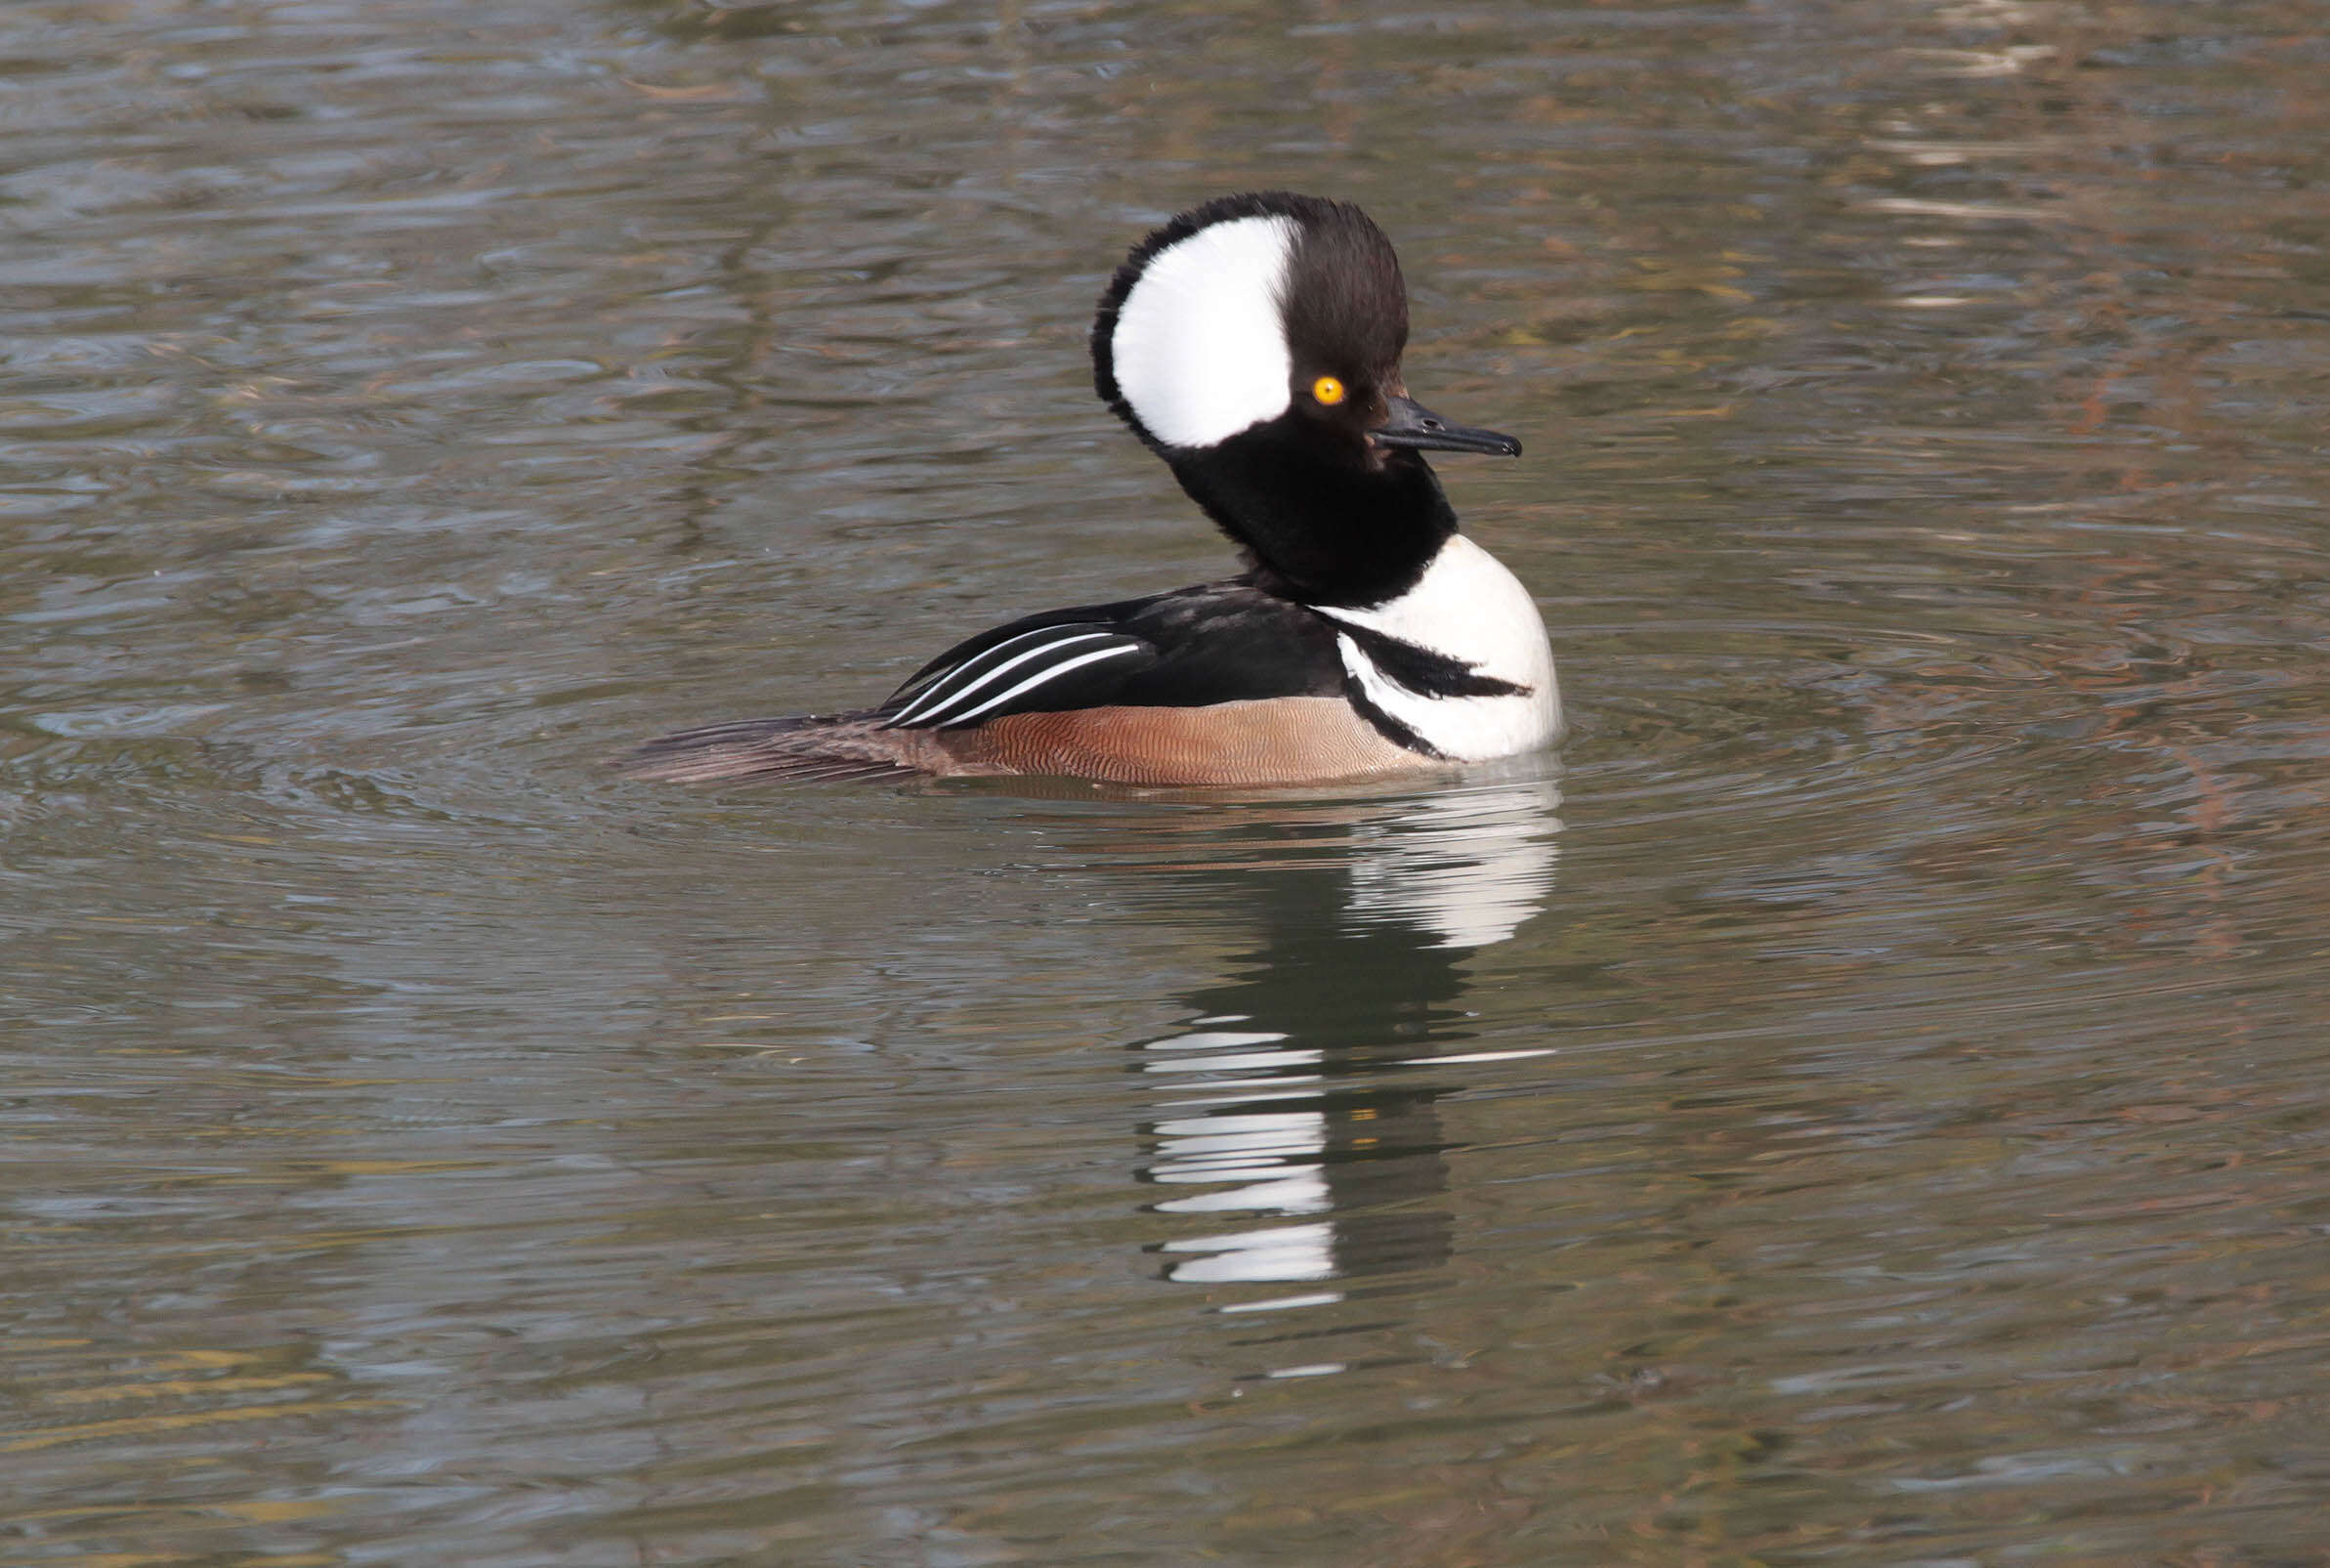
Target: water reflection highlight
{"points": [[1300, 1088]]}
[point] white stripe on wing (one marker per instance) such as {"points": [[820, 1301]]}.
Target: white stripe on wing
{"points": [[1038, 679], [946, 693]]}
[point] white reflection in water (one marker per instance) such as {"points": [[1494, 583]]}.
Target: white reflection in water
{"points": [[1285, 1303], [1282, 1252], [1357, 974], [1276, 1155], [1218, 1050], [1467, 866]]}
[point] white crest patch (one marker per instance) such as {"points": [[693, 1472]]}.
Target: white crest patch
{"points": [[1468, 607], [1199, 351]]}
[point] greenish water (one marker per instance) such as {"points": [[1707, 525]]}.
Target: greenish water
{"points": [[1863, 1102]]}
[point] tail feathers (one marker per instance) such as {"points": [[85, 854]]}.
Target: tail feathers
{"points": [[815, 749]]}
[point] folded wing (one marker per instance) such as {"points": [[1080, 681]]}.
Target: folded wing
{"points": [[1069, 665], [1223, 642], [1219, 643]]}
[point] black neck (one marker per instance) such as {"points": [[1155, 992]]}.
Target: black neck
{"points": [[1320, 527]]}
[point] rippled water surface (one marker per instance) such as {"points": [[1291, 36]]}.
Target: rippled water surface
{"points": [[1864, 1102]]}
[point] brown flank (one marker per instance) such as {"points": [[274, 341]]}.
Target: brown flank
{"points": [[1271, 740]]}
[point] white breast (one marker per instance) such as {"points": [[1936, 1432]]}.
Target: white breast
{"points": [[1466, 606]]}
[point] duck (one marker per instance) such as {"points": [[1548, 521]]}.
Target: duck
{"points": [[1253, 343]]}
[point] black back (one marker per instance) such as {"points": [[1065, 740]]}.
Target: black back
{"points": [[1220, 642]]}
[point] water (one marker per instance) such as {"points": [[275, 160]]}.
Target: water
{"points": [[1862, 1103]]}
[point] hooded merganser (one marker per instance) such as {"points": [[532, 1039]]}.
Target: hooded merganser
{"points": [[1253, 343]]}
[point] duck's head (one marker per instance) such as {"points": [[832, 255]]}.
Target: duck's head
{"points": [[1253, 343]]}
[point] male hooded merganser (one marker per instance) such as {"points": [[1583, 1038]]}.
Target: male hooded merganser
{"points": [[1252, 343]]}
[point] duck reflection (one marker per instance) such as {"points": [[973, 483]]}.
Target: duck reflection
{"points": [[1304, 1091]]}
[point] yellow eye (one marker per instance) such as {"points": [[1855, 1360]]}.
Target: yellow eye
{"points": [[1327, 390]]}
